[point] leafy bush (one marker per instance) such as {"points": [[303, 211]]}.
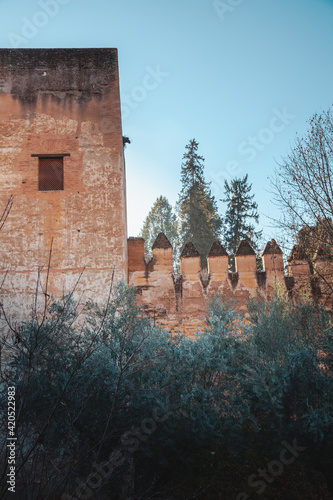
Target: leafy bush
{"points": [[192, 416]]}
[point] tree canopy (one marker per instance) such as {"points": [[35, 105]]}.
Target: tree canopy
{"points": [[161, 219], [197, 208], [115, 406], [241, 211], [303, 185]]}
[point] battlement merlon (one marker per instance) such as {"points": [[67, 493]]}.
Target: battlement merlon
{"points": [[217, 259], [162, 254], [193, 287]]}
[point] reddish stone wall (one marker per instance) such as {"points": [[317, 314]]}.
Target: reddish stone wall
{"points": [[55, 102], [180, 302]]}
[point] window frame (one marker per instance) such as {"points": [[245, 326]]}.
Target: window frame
{"points": [[50, 156]]}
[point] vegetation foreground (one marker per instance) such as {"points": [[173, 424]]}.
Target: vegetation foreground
{"points": [[109, 405]]}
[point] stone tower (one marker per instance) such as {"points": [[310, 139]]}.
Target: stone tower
{"points": [[61, 157]]}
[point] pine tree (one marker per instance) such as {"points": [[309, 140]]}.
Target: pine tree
{"points": [[241, 209], [161, 219], [197, 208]]}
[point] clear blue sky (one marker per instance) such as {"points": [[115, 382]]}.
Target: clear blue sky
{"points": [[240, 79]]}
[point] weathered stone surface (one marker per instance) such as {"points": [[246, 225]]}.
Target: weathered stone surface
{"points": [[190, 267], [244, 248], [246, 267], [161, 242], [218, 265], [181, 303], [273, 265], [297, 253], [189, 250], [163, 259], [322, 281], [217, 261], [136, 254], [217, 250], [62, 101], [272, 248], [66, 76]]}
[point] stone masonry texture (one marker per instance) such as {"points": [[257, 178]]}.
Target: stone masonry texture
{"points": [[180, 302], [61, 102]]}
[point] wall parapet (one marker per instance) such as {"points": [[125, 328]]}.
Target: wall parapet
{"points": [[181, 299]]}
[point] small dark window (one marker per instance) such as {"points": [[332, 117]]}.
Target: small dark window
{"points": [[51, 174]]}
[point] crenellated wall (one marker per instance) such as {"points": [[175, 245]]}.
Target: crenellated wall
{"points": [[180, 301]]}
